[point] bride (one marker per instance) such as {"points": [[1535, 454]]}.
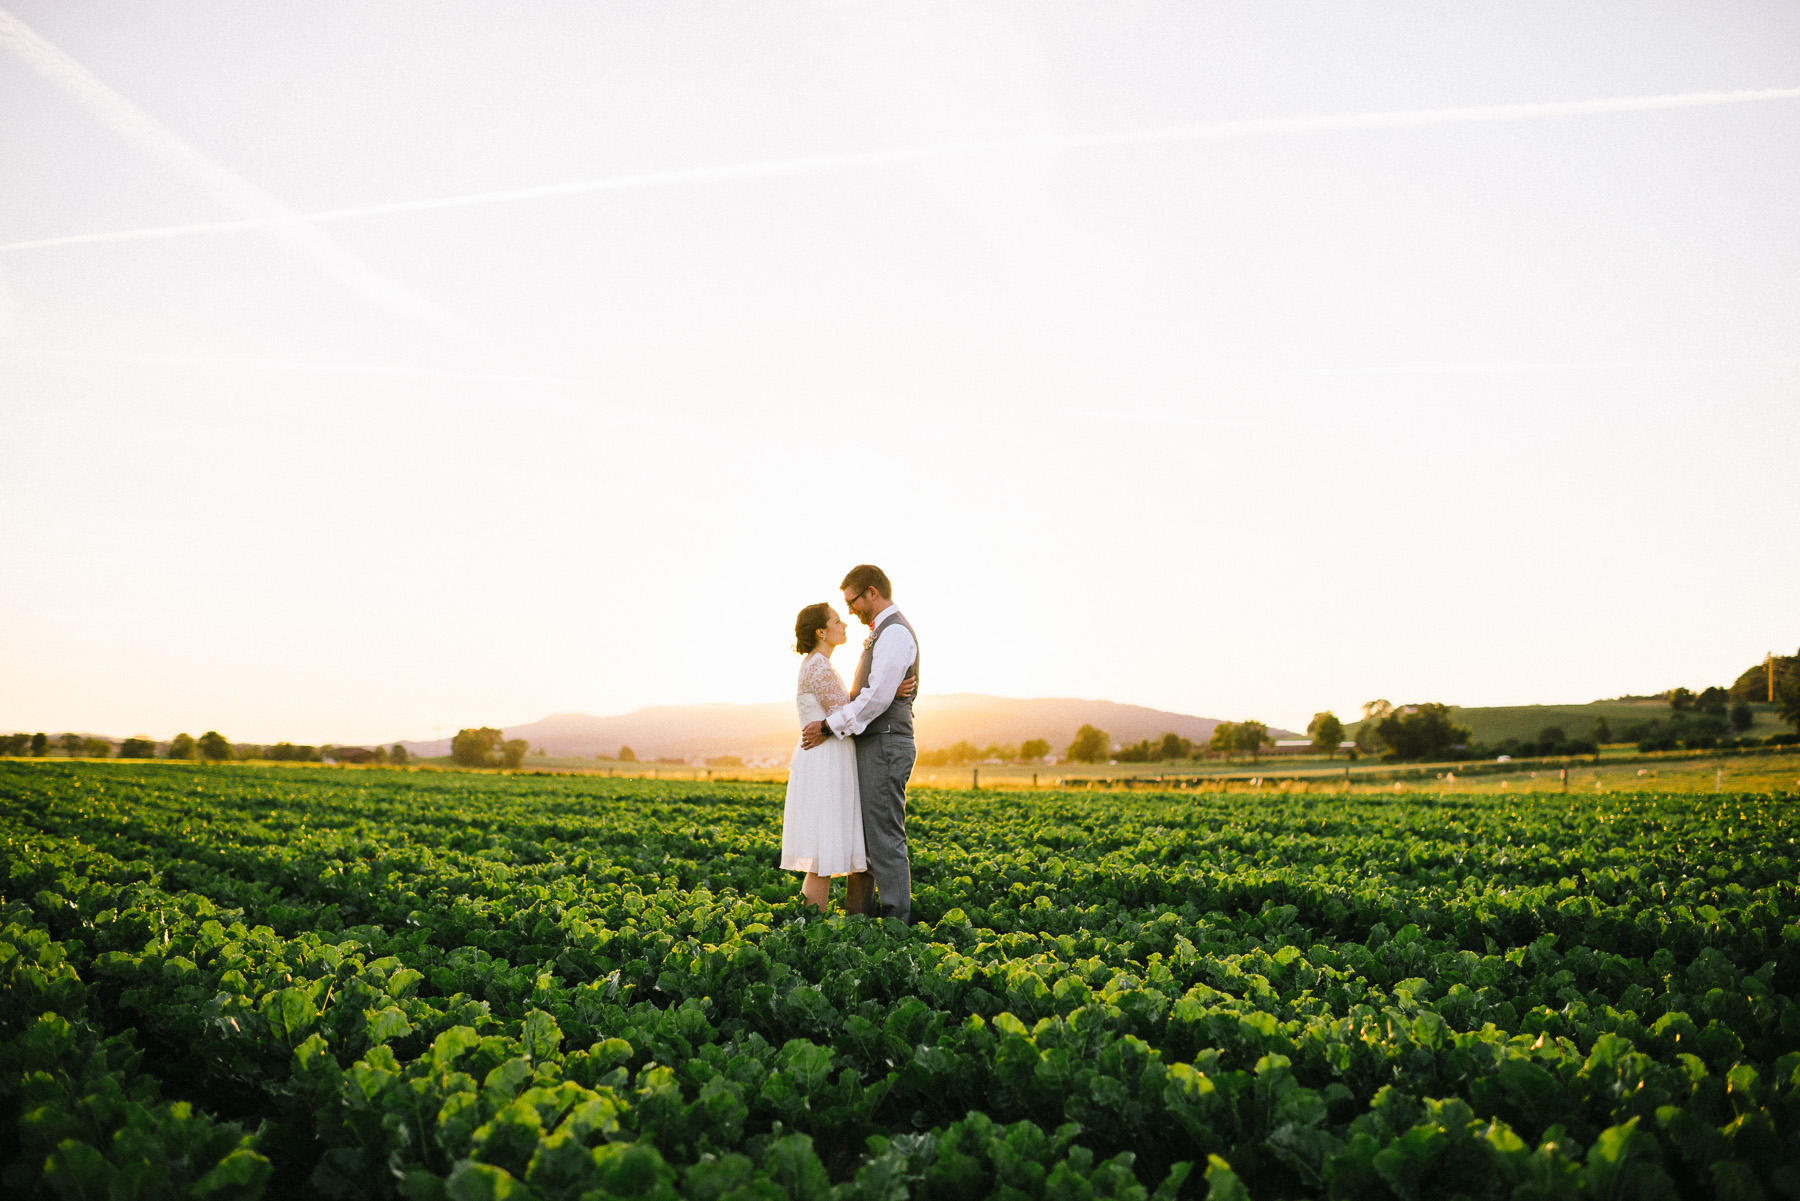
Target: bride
{"points": [[821, 825]]}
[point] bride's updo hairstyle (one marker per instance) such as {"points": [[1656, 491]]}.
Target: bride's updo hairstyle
{"points": [[812, 619]]}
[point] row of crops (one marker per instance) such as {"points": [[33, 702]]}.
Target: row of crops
{"points": [[232, 981]]}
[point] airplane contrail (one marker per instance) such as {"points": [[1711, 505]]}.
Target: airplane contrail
{"points": [[223, 185], [972, 148]]}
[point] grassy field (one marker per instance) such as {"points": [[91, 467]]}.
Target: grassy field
{"points": [[1621, 768], [1773, 772]]}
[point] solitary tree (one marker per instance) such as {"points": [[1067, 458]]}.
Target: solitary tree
{"points": [[1224, 738], [182, 747], [1421, 731], [40, 744], [512, 752], [1742, 717], [1368, 736], [476, 748], [1174, 746], [214, 747], [627, 755], [1787, 699], [1252, 736], [137, 748], [1326, 731], [1090, 745], [1034, 748], [398, 754]]}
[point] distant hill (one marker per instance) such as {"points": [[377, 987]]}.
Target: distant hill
{"points": [[1492, 725], [762, 731]]}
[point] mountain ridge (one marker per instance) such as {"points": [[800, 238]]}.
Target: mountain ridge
{"points": [[769, 730]]}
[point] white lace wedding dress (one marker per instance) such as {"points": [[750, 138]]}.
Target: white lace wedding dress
{"points": [[821, 827]]}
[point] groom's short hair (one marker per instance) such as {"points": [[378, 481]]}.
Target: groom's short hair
{"points": [[865, 575]]}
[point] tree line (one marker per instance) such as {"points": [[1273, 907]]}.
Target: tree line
{"points": [[1094, 745], [75, 746], [1719, 717], [1714, 717], [210, 747], [1032, 750], [1228, 740], [627, 755]]}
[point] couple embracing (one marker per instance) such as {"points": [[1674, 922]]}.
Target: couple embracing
{"points": [[846, 793]]}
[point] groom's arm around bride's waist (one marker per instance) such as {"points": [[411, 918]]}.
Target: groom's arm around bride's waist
{"points": [[814, 733], [893, 657]]}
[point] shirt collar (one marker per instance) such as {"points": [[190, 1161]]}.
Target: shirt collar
{"points": [[890, 611]]}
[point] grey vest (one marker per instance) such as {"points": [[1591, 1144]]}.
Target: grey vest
{"points": [[897, 718]]}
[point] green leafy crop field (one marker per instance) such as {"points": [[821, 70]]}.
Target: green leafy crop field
{"points": [[241, 981]]}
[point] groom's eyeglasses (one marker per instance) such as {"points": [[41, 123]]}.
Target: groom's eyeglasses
{"points": [[851, 600]]}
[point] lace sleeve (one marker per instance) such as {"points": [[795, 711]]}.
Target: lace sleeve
{"points": [[822, 680]]}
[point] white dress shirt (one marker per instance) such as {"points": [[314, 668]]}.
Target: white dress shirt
{"points": [[895, 651]]}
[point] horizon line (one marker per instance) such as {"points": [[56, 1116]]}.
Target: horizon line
{"points": [[1627, 698]]}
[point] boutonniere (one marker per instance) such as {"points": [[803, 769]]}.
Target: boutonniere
{"points": [[869, 641]]}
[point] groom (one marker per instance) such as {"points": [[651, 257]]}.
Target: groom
{"points": [[882, 725]]}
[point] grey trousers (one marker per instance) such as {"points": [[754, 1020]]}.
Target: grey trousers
{"points": [[884, 763]]}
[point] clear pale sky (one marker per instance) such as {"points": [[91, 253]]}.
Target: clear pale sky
{"points": [[1485, 408]]}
